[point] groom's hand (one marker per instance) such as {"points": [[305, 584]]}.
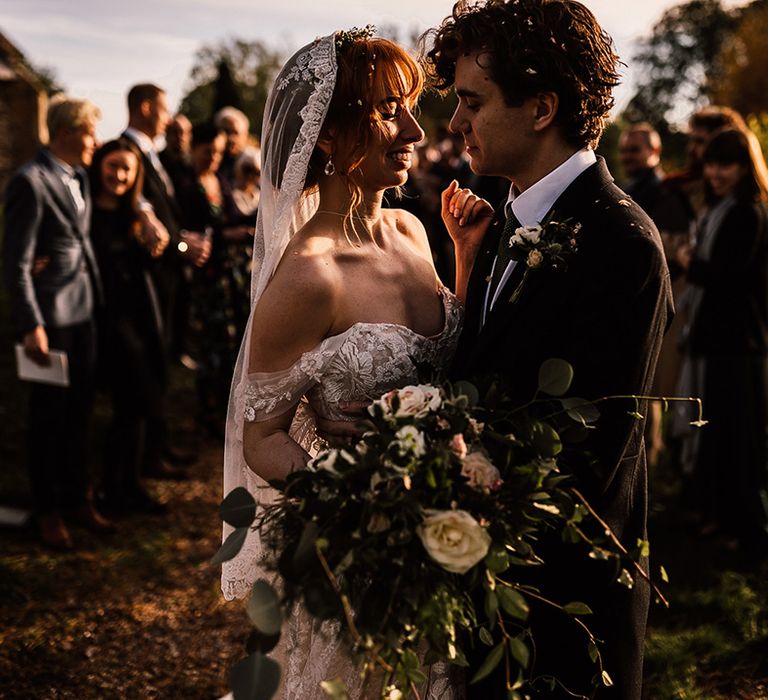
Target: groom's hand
{"points": [[340, 430], [465, 215]]}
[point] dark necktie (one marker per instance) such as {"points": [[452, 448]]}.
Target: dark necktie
{"points": [[504, 253]]}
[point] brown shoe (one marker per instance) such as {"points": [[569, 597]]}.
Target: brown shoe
{"points": [[87, 516], [54, 532]]}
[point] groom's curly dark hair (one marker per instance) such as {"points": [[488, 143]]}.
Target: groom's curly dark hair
{"points": [[534, 46]]}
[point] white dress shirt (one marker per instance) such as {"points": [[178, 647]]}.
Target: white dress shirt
{"points": [[147, 146], [530, 207], [68, 176]]}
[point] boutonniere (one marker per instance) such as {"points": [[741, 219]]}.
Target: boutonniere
{"points": [[549, 244]]}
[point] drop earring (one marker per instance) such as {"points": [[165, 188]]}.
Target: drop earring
{"points": [[329, 168]]}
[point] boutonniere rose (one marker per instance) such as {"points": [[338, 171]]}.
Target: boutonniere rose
{"points": [[549, 244]]}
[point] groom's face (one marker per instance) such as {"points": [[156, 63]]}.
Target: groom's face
{"points": [[500, 139]]}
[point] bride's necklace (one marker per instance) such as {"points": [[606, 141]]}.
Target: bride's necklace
{"points": [[344, 216]]}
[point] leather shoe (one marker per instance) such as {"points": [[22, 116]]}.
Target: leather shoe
{"points": [[160, 469], [87, 516], [179, 457], [54, 532]]}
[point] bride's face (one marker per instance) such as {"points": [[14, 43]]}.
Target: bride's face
{"points": [[395, 135]]}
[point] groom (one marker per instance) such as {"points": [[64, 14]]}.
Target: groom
{"points": [[534, 80]]}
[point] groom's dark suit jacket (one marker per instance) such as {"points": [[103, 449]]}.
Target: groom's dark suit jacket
{"points": [[606, 315]]}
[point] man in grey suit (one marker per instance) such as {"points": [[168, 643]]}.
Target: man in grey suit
{"points": [[54, 289]]}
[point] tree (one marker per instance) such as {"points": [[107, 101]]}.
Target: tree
{"points": [[680, 62], [739, 84], [236, 67]]}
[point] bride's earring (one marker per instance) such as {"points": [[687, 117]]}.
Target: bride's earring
{"points": [[329, 168]]}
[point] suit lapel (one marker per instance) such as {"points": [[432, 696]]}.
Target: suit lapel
{"points": [[572, 203], [58, 190]]}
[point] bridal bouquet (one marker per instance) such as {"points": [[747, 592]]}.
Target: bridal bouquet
{"points": [[416, 538]]}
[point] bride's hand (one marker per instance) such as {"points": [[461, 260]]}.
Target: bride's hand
{"points": [[339, 430], [465, 215]]}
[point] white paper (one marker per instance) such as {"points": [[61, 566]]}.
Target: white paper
{"points": [[14, 517], [56, 373]]}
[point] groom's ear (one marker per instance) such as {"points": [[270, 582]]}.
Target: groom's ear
{"points": [[546, 110]]}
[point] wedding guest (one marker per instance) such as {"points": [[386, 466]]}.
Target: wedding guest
{"points": [[130, 326], [219, 305], [147, 120], [47, 218], [235, 125], [175, 155], [640, 158], [726, 338], [247, 191]]}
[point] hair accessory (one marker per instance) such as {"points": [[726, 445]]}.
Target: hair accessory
{"points": [[329, 168], [346, 37]]}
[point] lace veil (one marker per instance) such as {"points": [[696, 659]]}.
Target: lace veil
{"points": [[296, 109]]}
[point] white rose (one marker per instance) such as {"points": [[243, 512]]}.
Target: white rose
{"points": [[418, 400], [328, 460], [480, 472], [411, 440], [454, 539], [535, 258], [532, 234]]}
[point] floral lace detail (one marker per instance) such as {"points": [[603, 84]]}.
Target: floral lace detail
{"points": [[362, 363], [316, 63]]}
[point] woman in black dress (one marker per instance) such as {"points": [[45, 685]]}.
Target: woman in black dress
{"points": [[130, 325], [727, 338], [219, 295]]}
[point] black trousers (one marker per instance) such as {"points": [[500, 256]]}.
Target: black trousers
{"points": [[134, 368], [58, 423]]}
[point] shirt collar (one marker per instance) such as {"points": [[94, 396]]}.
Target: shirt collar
{"points": [[146, 144], [65, 170], [530, 207]]}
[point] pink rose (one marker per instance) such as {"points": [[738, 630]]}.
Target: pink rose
{"points": [[480, 472], [458, 446], [534, 259]]}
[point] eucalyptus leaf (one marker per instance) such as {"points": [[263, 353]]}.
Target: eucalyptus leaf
{"points": [[486, 637], [469, 390], [257, 641], [497, 560], [580, 410], [238, 509], [231, 547], [491, 605], [513, 602], [256, 677], [263, 608], [555, 376], [577, 608], [491, 662], [520, 651], [607, 680], [546, 439], [335, 689]]}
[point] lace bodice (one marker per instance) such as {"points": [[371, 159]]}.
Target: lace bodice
{"points": [[359, 364]]}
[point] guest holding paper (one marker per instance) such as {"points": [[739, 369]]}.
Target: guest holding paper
{"points": [[47, 218]]}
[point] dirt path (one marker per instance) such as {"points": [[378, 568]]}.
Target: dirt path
{"points": [[137, 614]]}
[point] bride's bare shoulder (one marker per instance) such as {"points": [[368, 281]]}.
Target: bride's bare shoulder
{"points": [[410, 226], [298, 306]]}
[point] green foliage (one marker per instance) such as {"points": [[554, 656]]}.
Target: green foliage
{"points": [[263, 608], [252, 66], [678, 63], [256, 677]]}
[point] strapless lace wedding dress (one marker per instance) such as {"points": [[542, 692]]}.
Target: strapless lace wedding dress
{"points": [[363, 362]]}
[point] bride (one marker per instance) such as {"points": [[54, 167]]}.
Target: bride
{"points": [[345, 298]]}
